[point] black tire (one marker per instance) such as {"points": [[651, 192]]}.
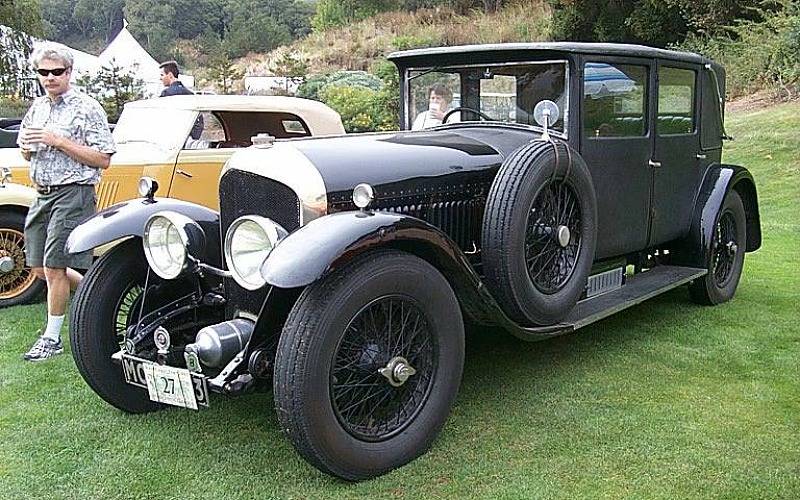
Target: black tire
{"points": [[726, 255], [19, 286], [105, 303], [381, 308], [542, 192]]}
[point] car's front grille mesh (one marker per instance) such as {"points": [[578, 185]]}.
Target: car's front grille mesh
{"points": [[245, 193]]}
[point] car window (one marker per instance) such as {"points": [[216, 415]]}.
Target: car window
{"points": [[614, 97], [676, 97], [506, 93], [205, 133], [292, 126]]}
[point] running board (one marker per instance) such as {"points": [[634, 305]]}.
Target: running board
{"points": [[637, 288]]}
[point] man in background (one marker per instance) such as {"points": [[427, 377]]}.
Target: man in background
{"points": [[169, 77], [65, 136]]}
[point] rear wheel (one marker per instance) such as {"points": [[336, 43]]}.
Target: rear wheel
{"points": [[18, 285], [368, 365], [726, 256]]}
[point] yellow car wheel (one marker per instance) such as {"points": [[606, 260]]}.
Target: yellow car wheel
{"points": [[18, 285]]}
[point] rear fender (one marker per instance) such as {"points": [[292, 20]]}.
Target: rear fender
{"points": [[128, 219], [694, 249]]}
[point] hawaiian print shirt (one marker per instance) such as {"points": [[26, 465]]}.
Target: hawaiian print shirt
{"points": [[77, 117]]}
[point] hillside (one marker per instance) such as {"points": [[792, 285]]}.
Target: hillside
{"points": [[363, 44]]}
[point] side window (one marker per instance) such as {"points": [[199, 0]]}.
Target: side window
{"points": [[206, 131], [676, 98], [294, 128], [614, 97]]}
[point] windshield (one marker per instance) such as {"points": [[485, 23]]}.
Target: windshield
{"points": [[505, 93], [166, 129]]}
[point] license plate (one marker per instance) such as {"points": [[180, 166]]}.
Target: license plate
{"points": [[166, 384]]}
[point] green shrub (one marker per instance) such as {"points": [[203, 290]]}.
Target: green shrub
{"points": [[758, 54], [315, 86], [13, 107]]}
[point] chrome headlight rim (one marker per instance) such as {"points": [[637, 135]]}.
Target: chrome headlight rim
{"points": [[264, 230], [167, 259]]}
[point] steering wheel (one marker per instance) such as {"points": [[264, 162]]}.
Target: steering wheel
{"points": [[471, 110]]}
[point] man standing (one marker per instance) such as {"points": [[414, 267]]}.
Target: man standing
{"points": [[169, 77], [65, 136]]}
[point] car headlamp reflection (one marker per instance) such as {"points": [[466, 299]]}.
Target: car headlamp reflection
{"points": [[169, 239], [248, 243]]}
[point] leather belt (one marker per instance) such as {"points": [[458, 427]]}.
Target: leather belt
{"points": [[53, 189]]}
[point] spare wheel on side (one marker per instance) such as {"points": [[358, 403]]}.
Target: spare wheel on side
{"points": [[539, 232]]}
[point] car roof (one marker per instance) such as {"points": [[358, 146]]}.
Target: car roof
{"points": [[319, 117], [499, 50]]}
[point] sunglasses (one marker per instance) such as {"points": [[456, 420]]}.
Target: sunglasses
{"points": [[54, 71]]}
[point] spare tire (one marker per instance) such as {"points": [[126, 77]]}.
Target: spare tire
{"points": [[539, 232]]}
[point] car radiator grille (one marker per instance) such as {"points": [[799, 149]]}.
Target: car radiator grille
{"points": [[461, 220], [243, 193]]}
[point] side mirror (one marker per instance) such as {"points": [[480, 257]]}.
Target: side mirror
{"points": [[546, 113]]}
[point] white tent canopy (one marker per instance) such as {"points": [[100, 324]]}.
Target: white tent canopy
{"points": [[125, 52]]}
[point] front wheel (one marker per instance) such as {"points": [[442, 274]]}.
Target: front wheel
{"points": [[108, 300], [18, 285], [726, 256], [368, 365]]}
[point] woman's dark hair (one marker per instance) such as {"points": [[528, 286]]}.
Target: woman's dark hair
{"points": [[440, 89]]}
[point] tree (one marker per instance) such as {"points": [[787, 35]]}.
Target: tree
{"points": [[152, 22], [293, 66], [223, 73], [253, 29], [113, 86], [19, 20]]}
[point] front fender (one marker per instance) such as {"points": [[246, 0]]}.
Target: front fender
{"points": [[695, 248], [17, 195], [329, 242], [128, 219]]}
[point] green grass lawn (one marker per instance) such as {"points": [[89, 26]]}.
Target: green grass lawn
{"points": [[668, 400]]}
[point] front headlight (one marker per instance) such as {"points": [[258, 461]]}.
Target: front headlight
{"points": [[169, 238], [248, 243]]}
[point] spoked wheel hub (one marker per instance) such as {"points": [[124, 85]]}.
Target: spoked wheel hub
{"points": [[397, 371], [551, 246]]}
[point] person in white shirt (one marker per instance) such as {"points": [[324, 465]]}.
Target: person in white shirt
{"points": [[439, 98]]}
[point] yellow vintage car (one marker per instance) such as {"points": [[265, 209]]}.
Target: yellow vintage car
{"points": [[180, 141]]}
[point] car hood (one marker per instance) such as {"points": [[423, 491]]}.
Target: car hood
{"points": [[388, 158]]}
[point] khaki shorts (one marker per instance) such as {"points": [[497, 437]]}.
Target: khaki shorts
{"points": [[50, 219]]}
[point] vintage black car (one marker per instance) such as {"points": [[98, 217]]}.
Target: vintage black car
{"points": [[566, 183]]}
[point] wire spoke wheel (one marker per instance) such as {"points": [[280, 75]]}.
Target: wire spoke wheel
{"points": [[725, 249], [553, 238], [382, 369], [20, 277], [18, 284]]}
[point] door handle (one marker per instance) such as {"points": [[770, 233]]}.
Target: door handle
{"points": [[700, 156], [183, 173], [654, 164]]}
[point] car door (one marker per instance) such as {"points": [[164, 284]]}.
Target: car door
{"points": [[199, 163], [678, 160], [616, 143]]}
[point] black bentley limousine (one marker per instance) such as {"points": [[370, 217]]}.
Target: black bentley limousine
{"points": [[545, 186]]}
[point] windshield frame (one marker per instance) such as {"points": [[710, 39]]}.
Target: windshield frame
{"points": [[416, 82]]}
